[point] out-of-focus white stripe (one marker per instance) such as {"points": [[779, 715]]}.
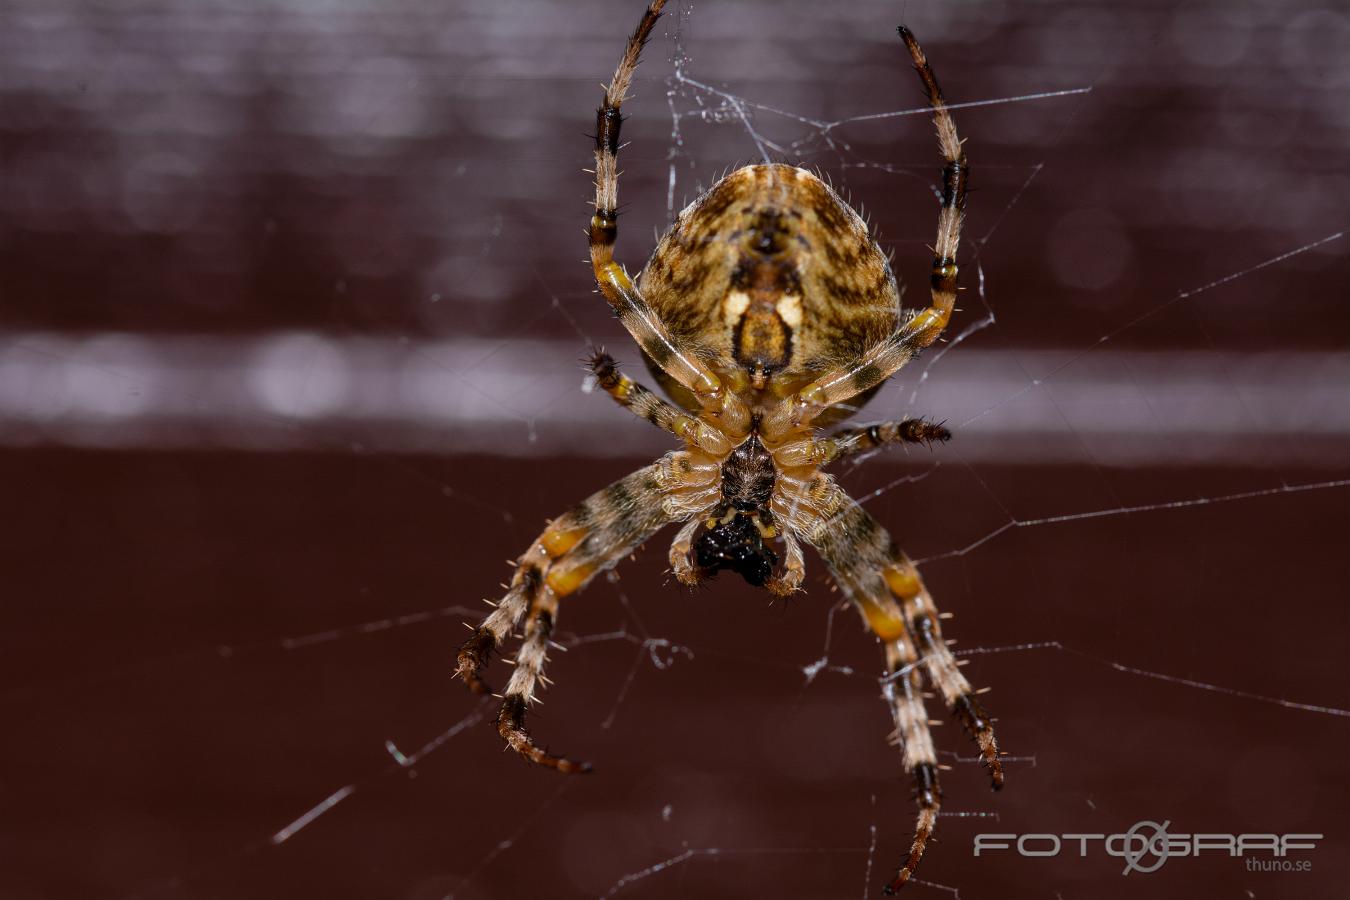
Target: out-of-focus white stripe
{"points": [[310, 391]]}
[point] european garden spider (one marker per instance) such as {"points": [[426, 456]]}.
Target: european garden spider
{"points": [[765, 308]]}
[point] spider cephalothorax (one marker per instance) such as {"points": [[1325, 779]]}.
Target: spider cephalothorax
{"points": [[766, 312]]}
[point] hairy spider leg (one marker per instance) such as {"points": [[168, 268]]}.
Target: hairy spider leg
{"points": [[580, 544], [860, 439], [623, 296], [925, 326], [885, 587], [902, 692], [918, 625], [645, 404], [922, 619]]}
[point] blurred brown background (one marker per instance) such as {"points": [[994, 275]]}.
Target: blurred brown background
{"points": [[292, 299]]}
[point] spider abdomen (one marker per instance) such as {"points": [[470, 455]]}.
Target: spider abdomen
{"points": [[772, 279]]}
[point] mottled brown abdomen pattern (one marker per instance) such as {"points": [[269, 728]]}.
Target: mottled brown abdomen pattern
{"points": [[771, 277]]}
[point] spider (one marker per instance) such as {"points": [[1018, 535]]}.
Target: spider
{"points": [[766, 312]]}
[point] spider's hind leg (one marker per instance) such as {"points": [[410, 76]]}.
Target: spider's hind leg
{"points": [[623, 296], [922, 329]]}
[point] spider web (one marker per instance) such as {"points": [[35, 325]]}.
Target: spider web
{"points": [[1142, 598]]}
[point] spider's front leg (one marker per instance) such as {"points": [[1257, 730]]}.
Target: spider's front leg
{"points": [[885, 587], [586, 540]]}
